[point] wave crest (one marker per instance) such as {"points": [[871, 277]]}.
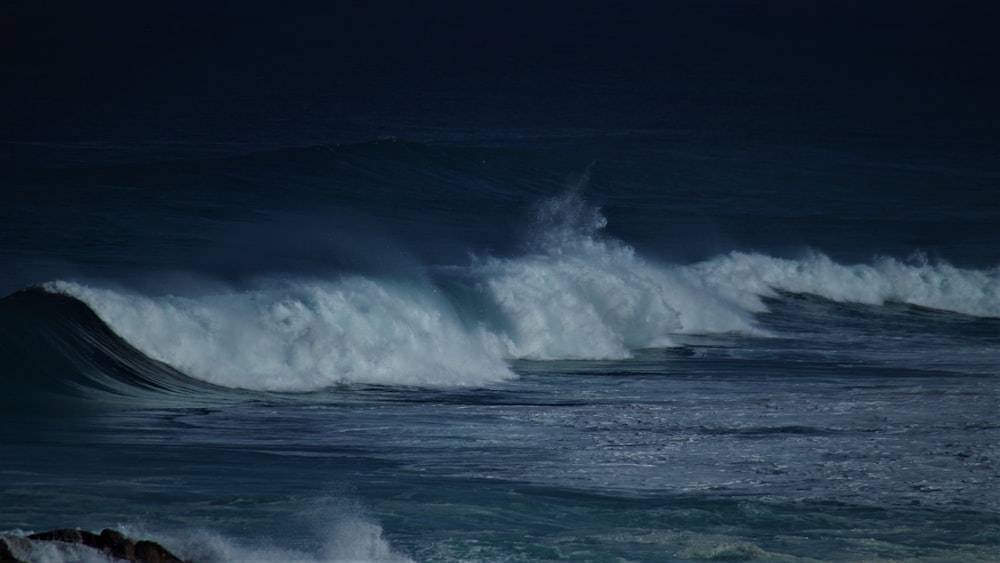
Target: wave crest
{"points": [[575, 294], [584, 296], [745, 277], [304, 336]]}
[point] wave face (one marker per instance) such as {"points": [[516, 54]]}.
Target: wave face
{"points": [[55, 349], [573, 293], [302, 336]]}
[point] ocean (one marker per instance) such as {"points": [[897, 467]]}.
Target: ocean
{"points": [[630, 282]]}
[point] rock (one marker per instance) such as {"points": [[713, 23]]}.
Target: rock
{"points": [[117, 545], [109, 542], [68, 536], [152, 552]]}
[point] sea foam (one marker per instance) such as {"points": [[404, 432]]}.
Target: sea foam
{"points": [[578, 294], [302, 336], [746, 277], [349, 537], [573, 293]]}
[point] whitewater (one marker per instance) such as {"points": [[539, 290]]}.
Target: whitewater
{"points": [[579, 296]]}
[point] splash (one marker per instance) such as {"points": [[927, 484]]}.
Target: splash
{"points": [[583, 295], [574, 293], [302, 336], [347, 537]]}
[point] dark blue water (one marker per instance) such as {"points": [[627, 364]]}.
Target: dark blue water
{"points": [[702, 281]]}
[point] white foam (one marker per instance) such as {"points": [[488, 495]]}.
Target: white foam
{"points": [[348, 538], [574, 294], [56, 552], [745, 277], [599, 300], [360, 540], [582, 295], [301, 336]]}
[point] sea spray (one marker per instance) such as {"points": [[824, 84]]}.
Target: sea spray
{"points": [[574, 293], [579, 294], [348, 537], [303, 336], [745, 277]]}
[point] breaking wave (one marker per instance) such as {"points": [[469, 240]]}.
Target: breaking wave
{"points": [[573, 293]]}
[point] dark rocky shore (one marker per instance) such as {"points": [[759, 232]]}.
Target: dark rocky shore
{"points": [[111, 543]]}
